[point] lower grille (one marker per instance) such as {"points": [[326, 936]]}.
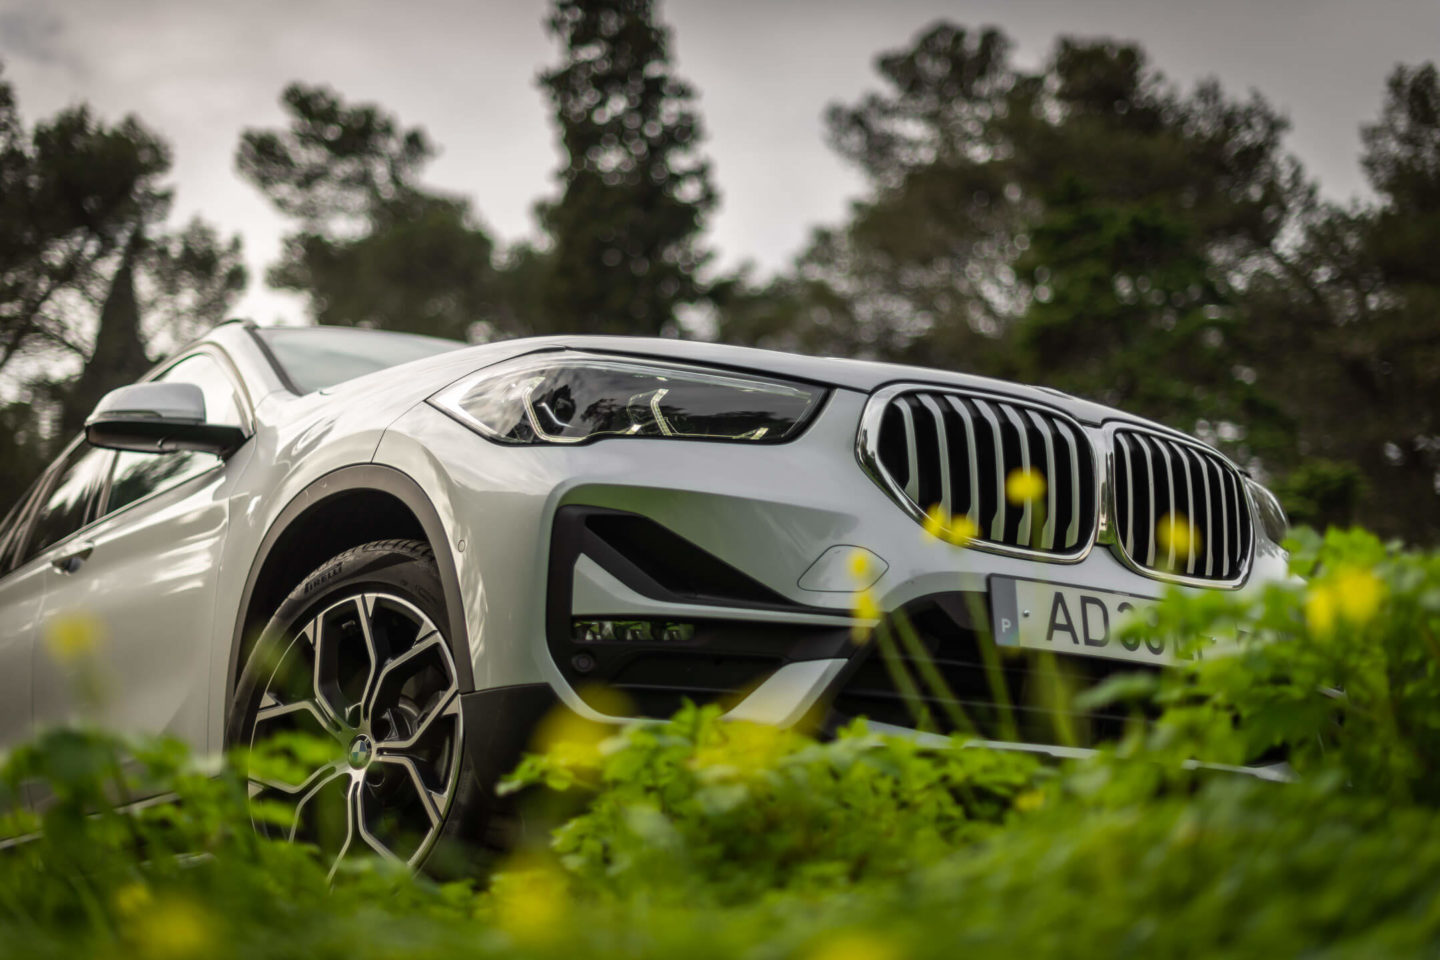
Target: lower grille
{"points": [[1179, 508], [942, 625], [657, 663]]}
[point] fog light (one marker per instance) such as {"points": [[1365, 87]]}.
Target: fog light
{"points": [[678, 632], [632, 631]]}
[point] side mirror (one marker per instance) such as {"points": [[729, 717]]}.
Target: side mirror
{"points": [[159, 418]]}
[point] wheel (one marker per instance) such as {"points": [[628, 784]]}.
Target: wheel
{"points": [[357, 655]]}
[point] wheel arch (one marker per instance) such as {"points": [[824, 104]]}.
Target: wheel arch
{"points": [[343, 509]]}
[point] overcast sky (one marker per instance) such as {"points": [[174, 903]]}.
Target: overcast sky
{"points": [[199, 71]]}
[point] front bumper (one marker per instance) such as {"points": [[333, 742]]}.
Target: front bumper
{"points": [[772, 606]]}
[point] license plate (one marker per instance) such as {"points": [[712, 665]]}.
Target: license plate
{"points": [[1073, 620]]}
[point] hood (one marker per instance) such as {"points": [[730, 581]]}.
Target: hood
{"points": [[400, 387]]}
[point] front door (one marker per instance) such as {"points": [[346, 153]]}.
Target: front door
{"points": [[63, 504], [145, 590], [21, 591], [147, 581]]}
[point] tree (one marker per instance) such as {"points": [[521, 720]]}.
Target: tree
{"points": [[91, 277], [71, 194], [1355, 325], [635, 192], [374, 247], [1139, 257], [1083, 225], [24, 451], [161, 293], [1088, 226], [119, 354]]}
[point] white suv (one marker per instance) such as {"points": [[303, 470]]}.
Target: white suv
{"points": [[419, 548]]}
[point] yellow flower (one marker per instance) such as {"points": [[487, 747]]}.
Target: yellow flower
{"points": [[936, 522], [957, 529], [1350, 593], [855, 945], [173, 929], [859, 564], [574, 739], [744, 751], [531, 899], [866, 609], [962, 530], [1176, 532], [1358, 593], [1029, 800], [1024, 486], [73, 637], [1320, 609], [131, 899]]}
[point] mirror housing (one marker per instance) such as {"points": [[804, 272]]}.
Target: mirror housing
{"points": [[158, 418]]}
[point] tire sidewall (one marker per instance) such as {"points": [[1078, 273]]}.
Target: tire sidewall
{"points": [[406, 569]]}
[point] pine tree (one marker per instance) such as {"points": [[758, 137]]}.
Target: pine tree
{"points": [[635, 191], [375, 247]]}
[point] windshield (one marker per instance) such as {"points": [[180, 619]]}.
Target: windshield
{"points": [[318, 357]]}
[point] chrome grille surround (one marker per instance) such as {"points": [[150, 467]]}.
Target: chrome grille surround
{"points": [[1005, 433], [1178, 471]]}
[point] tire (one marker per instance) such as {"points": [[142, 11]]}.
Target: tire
{"points": [[357, 656]]}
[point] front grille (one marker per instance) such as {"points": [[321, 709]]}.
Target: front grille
{"points": [[955, 451], [1041, 707], [1179, 509]]}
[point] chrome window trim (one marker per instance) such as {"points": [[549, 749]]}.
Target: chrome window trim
{"points": [[1117, 546], [867, 453]]}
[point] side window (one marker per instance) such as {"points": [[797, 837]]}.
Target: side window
{"points": [[64, 509], [138, 475]]}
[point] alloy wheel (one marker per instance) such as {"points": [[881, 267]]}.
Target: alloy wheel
{"points": [[372, 674]]}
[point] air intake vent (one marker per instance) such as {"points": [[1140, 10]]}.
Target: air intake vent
{"points": [[934, 447], [1180, 510]]}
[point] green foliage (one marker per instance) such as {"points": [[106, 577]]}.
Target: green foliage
{"points": [[635, 191], [706, 838], [1346, 335], [701, 808], [422, 267], [1321, 493], [150, 879], [1340, 673]]}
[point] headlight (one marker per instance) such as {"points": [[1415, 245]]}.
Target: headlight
{"points": [[1272, 515], [571, 399]]}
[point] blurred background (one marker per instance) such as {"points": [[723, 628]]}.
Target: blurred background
{"points": [[1225, 216]]}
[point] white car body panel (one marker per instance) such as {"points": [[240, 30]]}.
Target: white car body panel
{"points": [[153, 618], [21, 595]]}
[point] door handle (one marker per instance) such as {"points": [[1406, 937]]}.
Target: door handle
{"points": [[70, 560]]}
